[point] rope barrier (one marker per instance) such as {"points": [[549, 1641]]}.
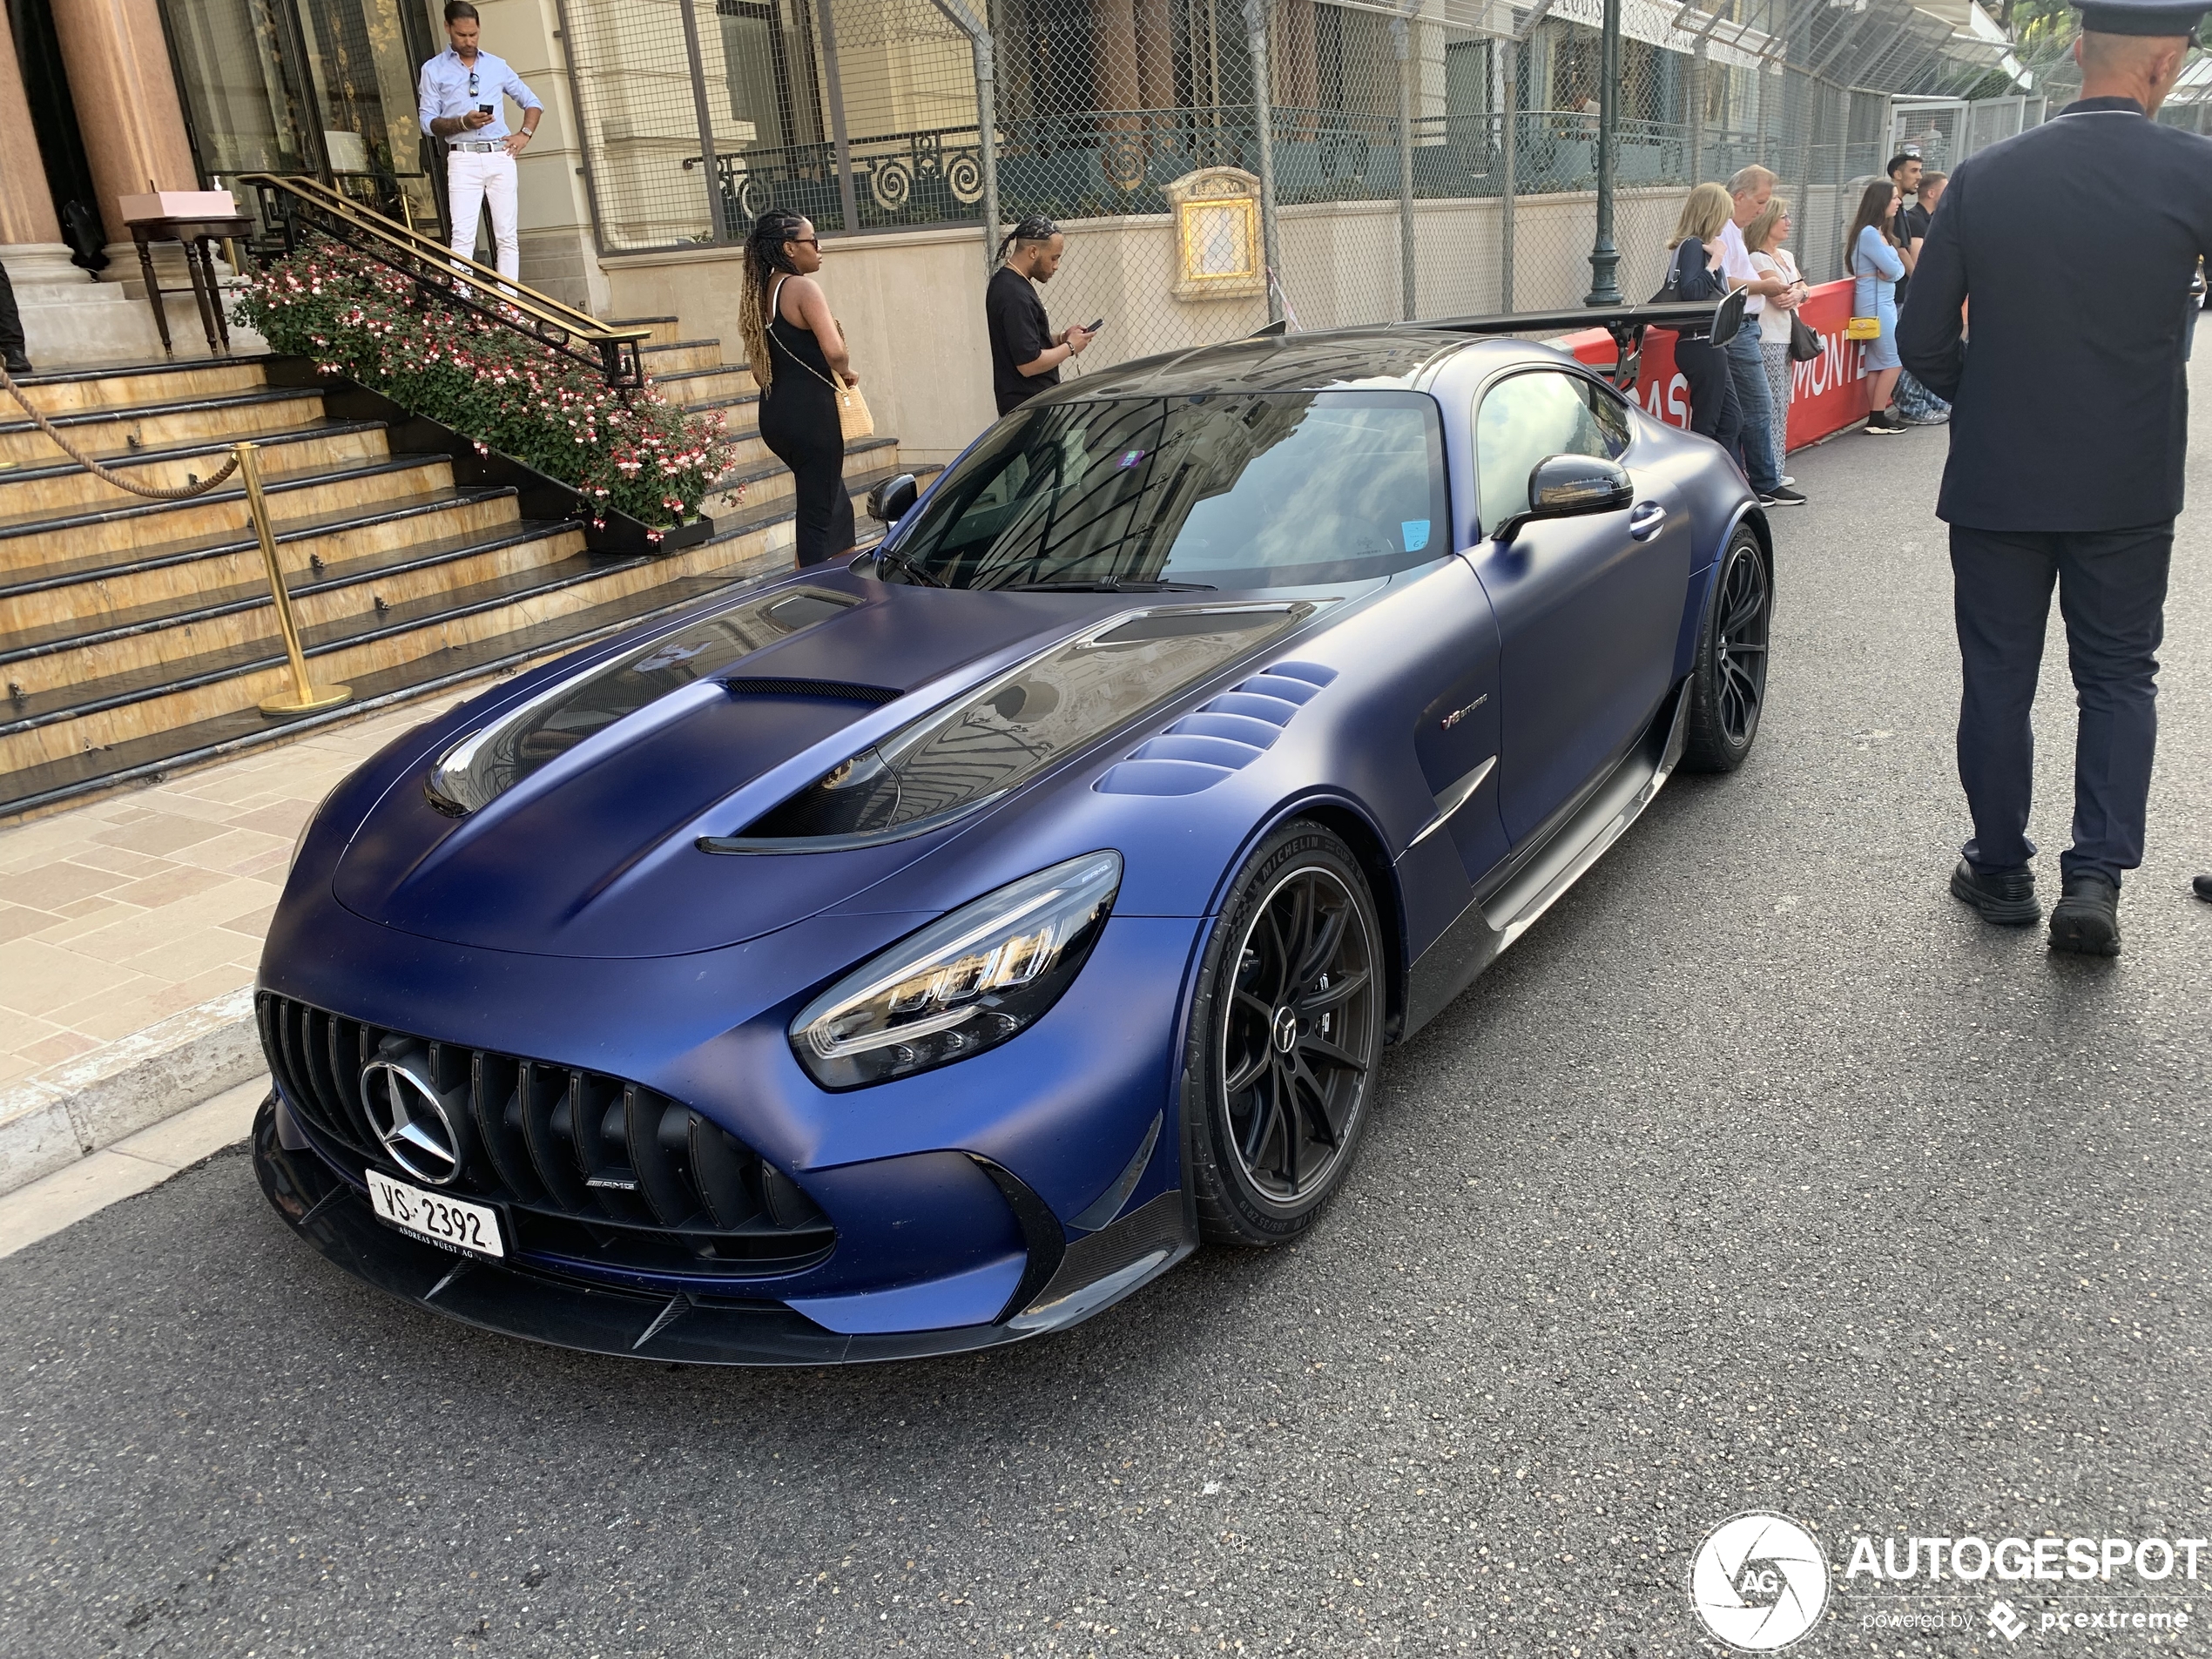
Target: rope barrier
{"points": [[107, 474]]}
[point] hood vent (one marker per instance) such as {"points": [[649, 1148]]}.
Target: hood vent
{"points": [[491, 760], [845, 690], [956, 760]]}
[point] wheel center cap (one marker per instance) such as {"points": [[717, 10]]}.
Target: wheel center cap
{"points": [[1285, 1030]]}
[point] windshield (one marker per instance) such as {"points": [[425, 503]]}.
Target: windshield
{"points": [[1217, 490]]}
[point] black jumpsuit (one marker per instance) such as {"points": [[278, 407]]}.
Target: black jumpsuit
{"points": [[799, 425]]}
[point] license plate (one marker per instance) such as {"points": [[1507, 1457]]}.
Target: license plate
{"points": [[452, 1222]]}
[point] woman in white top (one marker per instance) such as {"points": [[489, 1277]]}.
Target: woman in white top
{"points": [[1762, 240]]}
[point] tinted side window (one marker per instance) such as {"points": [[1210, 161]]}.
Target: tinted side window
{"points": [[1532, 417]]}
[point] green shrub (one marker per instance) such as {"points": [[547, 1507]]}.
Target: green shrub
{"points": [[631, 451]]}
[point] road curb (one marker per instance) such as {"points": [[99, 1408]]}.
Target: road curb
{"points": [[73, 1110]]}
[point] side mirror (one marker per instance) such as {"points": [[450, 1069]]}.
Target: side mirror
{"points": [[1568, 487], [892, 500]]}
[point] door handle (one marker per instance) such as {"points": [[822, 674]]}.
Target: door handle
{"points": [[1645, 521]]}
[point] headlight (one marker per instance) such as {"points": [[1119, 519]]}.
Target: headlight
{"points": [[964, 983]]}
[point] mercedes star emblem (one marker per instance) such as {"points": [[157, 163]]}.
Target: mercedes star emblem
{"points": [[421, 1135]]}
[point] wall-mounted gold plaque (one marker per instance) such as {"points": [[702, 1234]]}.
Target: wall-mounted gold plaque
{"points": [[1217, 234]]}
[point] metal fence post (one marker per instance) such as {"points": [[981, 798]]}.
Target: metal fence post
{"points": [[983, 54], [1605, 258], [830, 72], [1511, 122], [1263, 120], [986, 140], [718, 210], [1401, 31], [1696, 78]]}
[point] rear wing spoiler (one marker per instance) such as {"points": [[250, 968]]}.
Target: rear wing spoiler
{"points": [[1625, 323]]}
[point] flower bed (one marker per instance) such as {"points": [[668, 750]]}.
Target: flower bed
{"points": [[630, 451]]}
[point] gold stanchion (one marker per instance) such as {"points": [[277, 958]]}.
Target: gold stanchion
{"points": [[305, 697]]}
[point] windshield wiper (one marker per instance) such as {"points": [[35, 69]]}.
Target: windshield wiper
{"points": [[1112, 584], [900, 562]]}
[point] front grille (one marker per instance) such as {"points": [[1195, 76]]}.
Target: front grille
{"points": [[587, 1167]]}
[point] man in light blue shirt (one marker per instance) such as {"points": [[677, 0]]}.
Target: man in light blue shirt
{"points": [[459, 98]]}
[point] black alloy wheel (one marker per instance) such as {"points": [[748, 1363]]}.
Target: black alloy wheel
{"points": [[1287, 1036], [1727, 684]]}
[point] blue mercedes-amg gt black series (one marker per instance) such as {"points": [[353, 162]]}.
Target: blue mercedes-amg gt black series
{"points": [[921, 953]]}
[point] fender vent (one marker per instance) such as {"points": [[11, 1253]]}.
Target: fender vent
{"points": [[1221, 736]]}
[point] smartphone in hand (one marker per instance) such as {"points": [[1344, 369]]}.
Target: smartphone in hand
{"points": [[1092, 328], [484, 109]]}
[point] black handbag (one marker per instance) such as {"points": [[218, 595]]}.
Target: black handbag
{"points": [[1804, 345]]}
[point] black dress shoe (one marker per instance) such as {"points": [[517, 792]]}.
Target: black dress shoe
{"points": [[18, 363], [2202, 886], [2086, 921], [2005, 897]]}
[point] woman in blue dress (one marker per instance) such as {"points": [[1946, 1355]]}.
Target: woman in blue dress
{"points": [[1876, 261]]}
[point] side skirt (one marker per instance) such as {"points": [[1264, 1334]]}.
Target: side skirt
{"points": [[1482, 931]]}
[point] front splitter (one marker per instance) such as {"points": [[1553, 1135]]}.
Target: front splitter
{"points": [[516, 1301]]}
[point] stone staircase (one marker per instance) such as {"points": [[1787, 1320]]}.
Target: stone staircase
{"points": [[138, 637]]}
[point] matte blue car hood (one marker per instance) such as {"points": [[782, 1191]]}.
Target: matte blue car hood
{"points": [[593, 852]]}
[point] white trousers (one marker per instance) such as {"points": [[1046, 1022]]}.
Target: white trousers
{"points": [[473, 177]]}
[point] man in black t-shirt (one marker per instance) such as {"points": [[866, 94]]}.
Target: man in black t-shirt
{"points": [[1026, 354], [1905, 173]]}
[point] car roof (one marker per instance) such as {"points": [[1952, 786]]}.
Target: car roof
{"points": [[1384, 359]]}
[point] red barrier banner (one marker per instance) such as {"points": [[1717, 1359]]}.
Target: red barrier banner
{"points": [[1827, 395]]}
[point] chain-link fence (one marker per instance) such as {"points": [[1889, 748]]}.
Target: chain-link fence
{"points": [[1432, 158]]}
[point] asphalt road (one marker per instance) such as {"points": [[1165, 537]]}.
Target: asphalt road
{"points": [[1759, 1176]]}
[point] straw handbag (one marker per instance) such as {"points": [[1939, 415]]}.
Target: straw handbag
{"points": [[852, 417]]}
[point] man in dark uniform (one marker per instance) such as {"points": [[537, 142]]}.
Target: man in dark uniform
{"points": [[2069, 425]]}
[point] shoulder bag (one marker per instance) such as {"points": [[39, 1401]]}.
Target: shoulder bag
{"points": [[1860, 328]]}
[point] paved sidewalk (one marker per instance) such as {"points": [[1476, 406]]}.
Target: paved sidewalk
{"points": [[141, 906]]}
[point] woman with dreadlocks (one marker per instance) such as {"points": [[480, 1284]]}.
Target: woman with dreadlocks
{"points": [[1026, 354], [798, 356]]}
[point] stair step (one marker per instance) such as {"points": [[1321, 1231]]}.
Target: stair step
{"points": [[197, 565], [753, 545], [95, 389], [49, 658], [131, 429], [307, 491], [665, 330], [39, 726], [681, 356], [705, 385], [66, 487], [755, 518], [767, 478], [215, 736]]}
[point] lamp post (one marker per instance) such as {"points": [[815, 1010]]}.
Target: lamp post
{"points": [[1605, 258]]}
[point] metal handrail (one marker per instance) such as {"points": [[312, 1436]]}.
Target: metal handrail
{"points": [[437, 271]]}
